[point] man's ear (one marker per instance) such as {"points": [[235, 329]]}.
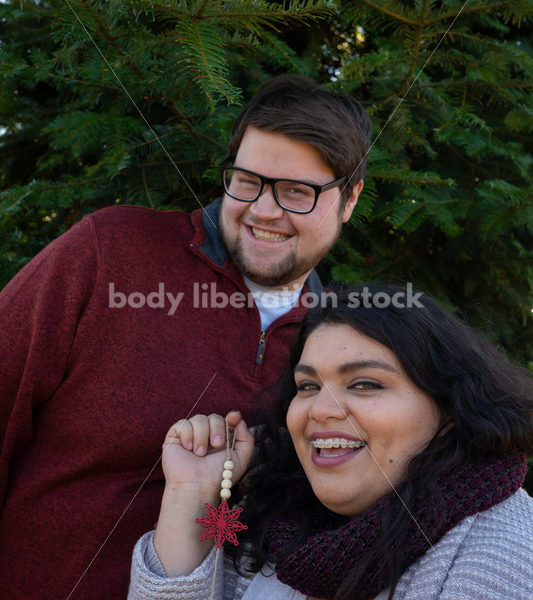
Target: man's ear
{"points": [[352, 201]]}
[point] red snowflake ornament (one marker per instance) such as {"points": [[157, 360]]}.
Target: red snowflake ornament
{"points": [[221, 524]]}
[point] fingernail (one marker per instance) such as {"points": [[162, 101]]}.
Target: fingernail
{"points": [[217, 440], [200, 451]]}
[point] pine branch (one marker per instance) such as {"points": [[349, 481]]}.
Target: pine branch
{"points": [[111, 40], [409, 177], [468, 11], [270, 18], [389, 13], [416, 45], [181, 117], [201, 9], [204, 50], [457, 34], [241, 13], [280, 52]]}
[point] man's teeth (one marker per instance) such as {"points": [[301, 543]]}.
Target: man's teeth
{"points": [[269, 235], [337, 443]]}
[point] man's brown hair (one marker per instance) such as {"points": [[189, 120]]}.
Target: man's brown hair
{"points": [[298, 107]]}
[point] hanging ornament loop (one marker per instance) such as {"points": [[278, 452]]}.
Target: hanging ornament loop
{"points": [[221, 523]]}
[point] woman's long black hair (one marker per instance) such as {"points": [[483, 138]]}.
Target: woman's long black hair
{"points": [[487, 401]]}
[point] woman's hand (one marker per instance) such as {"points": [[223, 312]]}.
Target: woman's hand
{"points": [[194, 453], [195, 449]]}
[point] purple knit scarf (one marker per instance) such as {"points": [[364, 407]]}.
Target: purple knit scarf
{"points": [[317, 566]]}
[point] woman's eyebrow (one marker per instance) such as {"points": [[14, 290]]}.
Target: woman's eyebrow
{"points": [[366, 364], [305, 369], [347, 367]]}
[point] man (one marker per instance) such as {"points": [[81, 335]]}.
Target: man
{"points": [[136, 318]]}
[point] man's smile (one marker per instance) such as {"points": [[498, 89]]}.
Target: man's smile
{"points": [[271, 236]]}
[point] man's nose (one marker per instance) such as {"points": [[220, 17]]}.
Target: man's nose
{"points": [[266, 207]]}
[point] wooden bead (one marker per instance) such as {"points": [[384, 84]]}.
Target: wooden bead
{"points": [[225, 493], [229, 465], [226, 483], [227, 474]]}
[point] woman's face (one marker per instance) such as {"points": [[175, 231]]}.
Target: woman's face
{"points": [[357, 419]]}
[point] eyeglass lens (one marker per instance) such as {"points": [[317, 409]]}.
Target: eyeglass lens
{"points": [[291, 195]]}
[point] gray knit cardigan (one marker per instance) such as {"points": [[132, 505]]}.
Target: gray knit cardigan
{"points": [[488, 556]]}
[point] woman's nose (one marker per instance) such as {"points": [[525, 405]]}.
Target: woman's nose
{"points": [[326, 406]]}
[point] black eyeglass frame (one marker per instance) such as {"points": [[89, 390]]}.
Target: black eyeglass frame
{"points": [[272, 182]]}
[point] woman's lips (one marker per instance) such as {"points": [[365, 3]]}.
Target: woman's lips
{"points": [[324, 461], [331, 451]]}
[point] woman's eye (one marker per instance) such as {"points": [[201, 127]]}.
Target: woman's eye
{"points": [[307, 386], [366, 385]]}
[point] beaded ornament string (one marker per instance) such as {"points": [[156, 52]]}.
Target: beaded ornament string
{"points": [[221, 523]]}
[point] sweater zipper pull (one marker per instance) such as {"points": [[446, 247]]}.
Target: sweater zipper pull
{"points": [[260, 349]]}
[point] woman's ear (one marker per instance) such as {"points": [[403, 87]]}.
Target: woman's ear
{"points": [[447, 423]]}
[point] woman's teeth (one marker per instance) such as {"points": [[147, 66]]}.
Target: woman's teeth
{"points": [[325, 447], [337, 443], [271, 236]]}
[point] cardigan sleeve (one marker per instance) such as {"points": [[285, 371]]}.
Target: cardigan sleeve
{"points": [[495, 559], [40, 309], [149, 582], [488, 555]]}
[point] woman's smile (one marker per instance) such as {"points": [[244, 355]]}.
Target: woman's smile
{"points": [[357, 419]]}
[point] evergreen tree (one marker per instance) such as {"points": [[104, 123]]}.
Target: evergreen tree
{"points": [[108, 102]]}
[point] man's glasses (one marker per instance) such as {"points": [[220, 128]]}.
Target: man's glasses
{"points": [[292, 195]]}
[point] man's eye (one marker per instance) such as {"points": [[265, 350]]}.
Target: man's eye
{"points": [[248, 182], [300, 192], [295, 191]]}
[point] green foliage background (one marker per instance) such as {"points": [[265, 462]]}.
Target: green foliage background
{"points": [[132, 101]]}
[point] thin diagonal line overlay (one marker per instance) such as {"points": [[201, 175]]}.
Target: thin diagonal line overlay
{"points": [[136, 494], [137, 109], [385, 475], [395, 109], [186, 182]]}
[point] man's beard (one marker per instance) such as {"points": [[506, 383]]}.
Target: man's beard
{"points": [[285, 272]]}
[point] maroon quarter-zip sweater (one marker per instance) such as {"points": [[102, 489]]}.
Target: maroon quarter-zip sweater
{"points": [[92, 377]]}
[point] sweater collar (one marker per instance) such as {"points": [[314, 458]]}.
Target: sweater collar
{"points": [[208, 241], [212, 245]]}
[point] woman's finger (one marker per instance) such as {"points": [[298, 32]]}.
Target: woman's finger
{"points": [[200, 441], [180, 433], [242, 433], [244, 446], [217, 431], [233, 418]]}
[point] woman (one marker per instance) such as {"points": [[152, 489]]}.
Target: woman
{"points": [[391, 469]]}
